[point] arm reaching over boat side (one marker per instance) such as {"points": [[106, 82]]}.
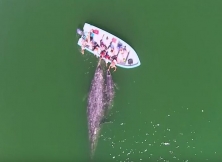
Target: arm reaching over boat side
{"points": [[113, 65], [84, 43]]}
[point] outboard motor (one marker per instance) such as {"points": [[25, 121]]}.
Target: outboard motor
{"points": [[130, 61], [80, 32]]}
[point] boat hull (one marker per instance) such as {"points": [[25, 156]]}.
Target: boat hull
{"points": [[126, 55]]}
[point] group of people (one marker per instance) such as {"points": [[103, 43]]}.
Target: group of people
{"points": [[106, 52]]}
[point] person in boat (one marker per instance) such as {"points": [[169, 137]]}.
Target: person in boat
{"points": [[91, 35], [86, 39], [102, 44], [102, 54], [111, 49], [111, 46], [119, 46], [113, 63], [84, 43], [82, 49], [95, 46], [124, 49], [107, 57]]}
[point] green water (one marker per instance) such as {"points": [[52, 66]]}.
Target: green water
{"points": [[168, 109]]}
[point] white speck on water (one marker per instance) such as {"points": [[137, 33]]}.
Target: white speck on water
{"points": [[168, 115], [158, 125], [202, 110], [171, 152], [121, 124], [187, 108], [192, 139], [177, 146], [145, 150], [186, 160], [165, 143], [147, 134], [174, 140], [168, 129], [113, 157]]}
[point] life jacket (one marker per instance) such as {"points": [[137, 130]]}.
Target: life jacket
{"points": [[107, 56], [114, 40], [103, 53], [95, 31]]}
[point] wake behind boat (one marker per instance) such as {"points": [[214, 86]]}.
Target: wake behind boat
{"points": [[107, 46]]}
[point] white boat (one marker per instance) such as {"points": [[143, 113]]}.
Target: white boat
{"points": [[114, 46]]}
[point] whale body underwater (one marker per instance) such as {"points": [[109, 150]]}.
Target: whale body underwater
{"points": [[99, 102]]}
